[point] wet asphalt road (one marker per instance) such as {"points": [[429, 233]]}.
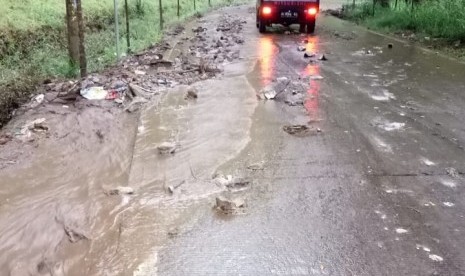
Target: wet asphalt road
{"points": [[370, 195]]}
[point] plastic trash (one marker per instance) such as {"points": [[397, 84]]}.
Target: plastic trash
{"points": [[94, 93]]}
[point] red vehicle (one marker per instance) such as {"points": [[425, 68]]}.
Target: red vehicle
{"points": [[287, 12]]}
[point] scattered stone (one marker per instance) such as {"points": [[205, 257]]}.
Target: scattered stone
{"points": [[167, 148], [269, 93], [37, 100], [229, 204], [172, 188], [238, 183], [452, 172], [222, 180], [319, 130], [135, 104], [199, 29], [5, 138], [139, 72], [301, 48], [401, 231], [282, 79], [256, 167], [139, 91], [38, 126], [457, 44], [35, 126], [436, 258], [287, 32], [316, 77], [322, 58], [73, 235], [100, 135], [296, 129], [120, 191], [309, 55], [191, 94], [448, 204]]}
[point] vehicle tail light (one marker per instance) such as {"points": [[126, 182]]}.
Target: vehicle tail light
{"points": [[312, 11], [266, 10]]}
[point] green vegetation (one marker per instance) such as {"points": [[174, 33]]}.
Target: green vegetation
{"points": [[441, 19], [34, 33], [33, 42]]}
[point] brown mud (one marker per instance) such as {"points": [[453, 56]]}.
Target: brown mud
{"points": [[65, 161]]}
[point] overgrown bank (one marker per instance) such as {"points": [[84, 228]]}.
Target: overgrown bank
{"points": [[33, 43], [437, 23]]}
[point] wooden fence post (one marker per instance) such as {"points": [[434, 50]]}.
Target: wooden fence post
{"points": [[82, 48], [115, 5], [160, 8], [128, 35]]}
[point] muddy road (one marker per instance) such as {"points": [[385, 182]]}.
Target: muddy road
{"points": [[352, 166]]}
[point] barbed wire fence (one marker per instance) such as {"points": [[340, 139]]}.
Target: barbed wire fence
{"points": [[161, 17]]}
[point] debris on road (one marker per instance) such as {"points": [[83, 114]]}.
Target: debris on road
{"points": [[5, 138], [167, 148], [94, 93], [35, 126], [390, 45], [139, 91], [316, 77], [120, 191], [227, 204], [256, 167], [269, 93], [236, 184], [322, 58], [275, 88], [135, 104], [172, 188], [191, 94], [309, 55], [296, 129], [452, 172], [73, 235], [239, 184], [301, 48], [140, 72], [37, 100]]}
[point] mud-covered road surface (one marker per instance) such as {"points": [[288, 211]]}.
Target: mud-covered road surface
{"points": [[351, 164]]}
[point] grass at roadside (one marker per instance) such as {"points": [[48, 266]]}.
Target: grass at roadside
{"points": [[33, 44], [441, 20]]}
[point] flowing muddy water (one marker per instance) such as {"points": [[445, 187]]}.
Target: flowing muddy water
{"points": [[56, 215], [55, 206]]}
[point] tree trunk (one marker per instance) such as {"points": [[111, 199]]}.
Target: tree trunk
{"points": [[73, 32], [82, 48], [160, 9], [384, 3]]}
